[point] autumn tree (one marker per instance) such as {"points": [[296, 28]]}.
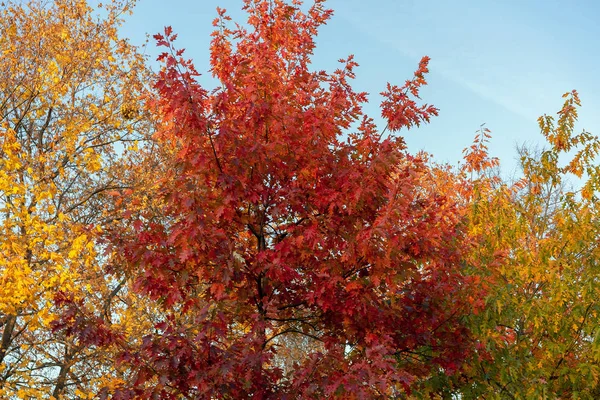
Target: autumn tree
{"points": [[286, 213], [69, 108], [537, 252]]}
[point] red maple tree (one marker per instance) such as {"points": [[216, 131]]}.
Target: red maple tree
{"points": [[287, 212]]}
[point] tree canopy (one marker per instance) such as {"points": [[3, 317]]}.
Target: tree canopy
{"points": [[266, 238]]}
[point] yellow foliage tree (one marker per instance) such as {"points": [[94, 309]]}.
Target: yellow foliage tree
{"points": [[69, 108], [536, 253]]}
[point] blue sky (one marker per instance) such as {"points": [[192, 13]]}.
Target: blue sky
{"points": [[502, 63]]}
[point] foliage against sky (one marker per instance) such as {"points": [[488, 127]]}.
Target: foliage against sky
{"points": [[68, 95], [266, 239]]}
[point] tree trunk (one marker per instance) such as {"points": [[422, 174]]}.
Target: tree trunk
{"points": [[7, 335]]}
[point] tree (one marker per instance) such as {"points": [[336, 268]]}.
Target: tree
{"points": [[69, 107], [285, 213], [537, 252]]}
